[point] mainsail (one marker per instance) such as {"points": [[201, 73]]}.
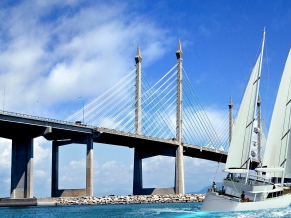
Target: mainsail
{"points": [[239, 150], [278, 149]]}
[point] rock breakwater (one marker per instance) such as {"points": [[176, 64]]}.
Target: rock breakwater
{"points": [[136, 199]]}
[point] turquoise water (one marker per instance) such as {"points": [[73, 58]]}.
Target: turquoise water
{"points": [[138, 210]]}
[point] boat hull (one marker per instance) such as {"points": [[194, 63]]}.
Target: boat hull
{"points": [[214, 202]]}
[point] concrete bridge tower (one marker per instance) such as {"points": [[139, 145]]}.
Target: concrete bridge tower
{"points": [[137, 167], [179, 163]]}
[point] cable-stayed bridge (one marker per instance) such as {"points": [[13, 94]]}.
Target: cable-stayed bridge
{"points": [[161, 119]]}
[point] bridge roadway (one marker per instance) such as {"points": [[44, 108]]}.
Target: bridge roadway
{"points": [[15, 125], [23, 128]]}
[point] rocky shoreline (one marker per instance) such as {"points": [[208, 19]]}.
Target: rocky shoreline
{"points": [[136, 199]]}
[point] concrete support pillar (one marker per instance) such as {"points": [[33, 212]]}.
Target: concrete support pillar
{"points": [[22, 168], [179, 171], [55, 169], [137, 173], [138, 60], [89, 168], [179, 165]]}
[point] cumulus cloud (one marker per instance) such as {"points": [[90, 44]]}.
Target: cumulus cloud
{"points": [[55, 58]]}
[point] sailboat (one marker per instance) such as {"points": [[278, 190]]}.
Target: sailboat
{"points": [[242, 190]]}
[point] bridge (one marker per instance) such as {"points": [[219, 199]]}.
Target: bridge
{"points": [[164, 119]]}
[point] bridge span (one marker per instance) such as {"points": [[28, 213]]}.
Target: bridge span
{"points": [[22, 129]]}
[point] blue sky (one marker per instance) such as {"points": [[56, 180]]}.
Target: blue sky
{"points": [[51, 52]]}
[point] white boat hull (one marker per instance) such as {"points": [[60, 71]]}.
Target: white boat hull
{"points": [[213, 202]]}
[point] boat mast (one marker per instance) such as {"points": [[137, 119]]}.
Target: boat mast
{"points": [[230, 105], [255, 102], [286, 151], [259, 133]]}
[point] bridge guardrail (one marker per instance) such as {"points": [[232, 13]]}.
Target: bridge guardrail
{"points": [[100, 129], [44, 119]]}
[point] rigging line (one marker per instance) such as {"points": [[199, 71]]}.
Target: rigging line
{"points": [[146, 84], [153, 107], [112, 94], [192, 116], [104, 116], [128, 107], [101, 103], [119, 124], [153, 128], [223, 137], [144, 123], [117, 114], [165, 135], [117, 102], [200, 123], [200, 120], [156, 125], [162, 114], [169, 136], [204, 116], [186, 131], [189, 138], [268, 81], [193, 127], [126, 116], [106, 120], [223, 128], [163, 77], [80, 111], [224, 132], [161, 94], [198, 137], [167, 127], [111, 98], [288, 124], [218, 167], [201, 109], [123, 125], [157, 135], [148, 90], [123, 128], [159, 88]]}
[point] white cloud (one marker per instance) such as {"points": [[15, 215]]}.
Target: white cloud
{"points": [[56, 61], [5, 154], [41, 154]]}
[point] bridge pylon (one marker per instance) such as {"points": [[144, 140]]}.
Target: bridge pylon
{"points": [[137, 166], [179, 163], [145, 152]]}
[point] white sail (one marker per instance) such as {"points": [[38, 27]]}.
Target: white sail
{"points": [[239, 147], [278, 140]]}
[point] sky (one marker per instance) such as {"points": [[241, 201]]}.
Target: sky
{"points": [[52, 52]]}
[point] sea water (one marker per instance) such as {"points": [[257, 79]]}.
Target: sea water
{"points": [[135, 210]]}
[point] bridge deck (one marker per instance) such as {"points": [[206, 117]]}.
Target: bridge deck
{"points": [[14, 125]]}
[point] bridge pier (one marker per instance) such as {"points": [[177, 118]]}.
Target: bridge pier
{"points": [[137, 173], [140, 154], [88, 191], [22, 168], [55, 169], [179, 171]]}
